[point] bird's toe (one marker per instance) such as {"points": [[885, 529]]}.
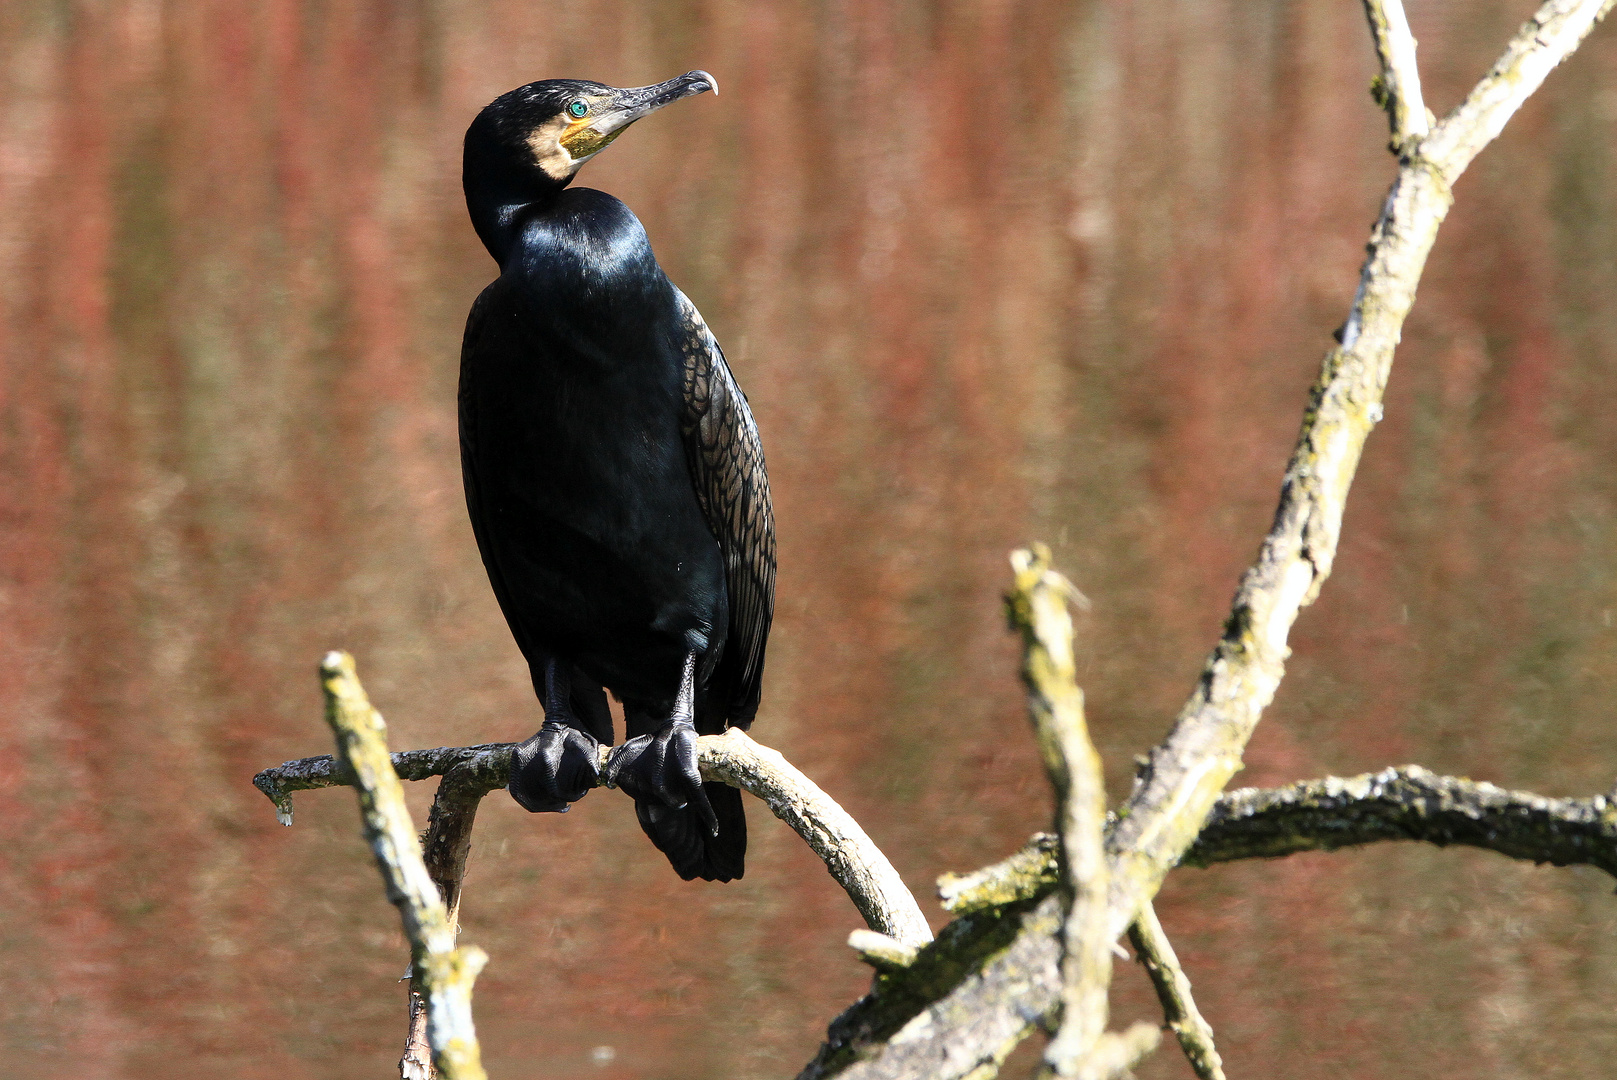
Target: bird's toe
{"points": [[556, 767], [662, 767]]}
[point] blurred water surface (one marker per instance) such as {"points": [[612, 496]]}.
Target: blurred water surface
{"points": [[988, 271]]}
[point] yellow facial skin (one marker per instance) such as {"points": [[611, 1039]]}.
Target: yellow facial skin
{"points": [[562, 144], [582, 140]]}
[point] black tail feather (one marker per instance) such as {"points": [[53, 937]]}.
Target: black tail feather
{"points": [[693, 851]]}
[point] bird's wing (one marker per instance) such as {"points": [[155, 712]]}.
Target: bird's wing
{"points": [[727, 468]]}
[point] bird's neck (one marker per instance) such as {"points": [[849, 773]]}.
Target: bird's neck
{"points": [[501, 197]]}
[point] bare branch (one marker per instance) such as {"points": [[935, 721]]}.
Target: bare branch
{"points": [[487, 766], [1156, 955], [977, 966], [1405, 803], [1037, 606], [852, 858], [444, 848], [732, 758], [1554, 32], [1185, 774], [1408, 803], [1398, 86], [880, 951], [446, 972], [1031, 872], [959, 1008], [1118, 1052]]}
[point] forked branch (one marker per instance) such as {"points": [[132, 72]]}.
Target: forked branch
{"points": [[1187, 772]]}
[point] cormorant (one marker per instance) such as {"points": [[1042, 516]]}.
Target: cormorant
{"points": [[614, 477]]}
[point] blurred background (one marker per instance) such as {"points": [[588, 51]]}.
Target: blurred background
{"points": [[989, 271]]}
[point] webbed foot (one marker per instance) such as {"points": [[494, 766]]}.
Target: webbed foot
{"points": [[557, 766], [661, 768]]}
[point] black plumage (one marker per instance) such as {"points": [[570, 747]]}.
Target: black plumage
{"points": [[614, 477]]}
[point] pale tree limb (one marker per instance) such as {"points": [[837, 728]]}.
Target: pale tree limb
{"points": [[1334, 812], [446, 973], [1116, 1052], [999, 961], [850, 856], [1408, 803], [444, 848], [1037, 607], [1184, 776], [1155, 953], [1397, 88], [1553, 33]]}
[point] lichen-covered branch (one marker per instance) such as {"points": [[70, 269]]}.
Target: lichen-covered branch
{"points": [[959, 1008], [1186, 773], [478, 769], [1408, 803], [733, 758], [1037, 607], [446, 972], [1030, 872], [444, 848], [1554, 33], [1403, 803], [1156, 955], [1116, 1053], [1398, 86]]}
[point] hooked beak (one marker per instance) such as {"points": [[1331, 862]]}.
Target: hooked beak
{"points": [[631, 104], [617, 109]]}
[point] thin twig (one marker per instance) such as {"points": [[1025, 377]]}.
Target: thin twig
{"points": [[446, 972], [1156, 955], [486, 767], [1398, 86], [1037, 606], [732, 758]]}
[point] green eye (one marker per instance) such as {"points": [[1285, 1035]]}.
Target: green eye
{"points": [[578, 109]]}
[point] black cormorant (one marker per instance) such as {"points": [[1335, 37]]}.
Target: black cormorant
{"points": [[614, 477]]}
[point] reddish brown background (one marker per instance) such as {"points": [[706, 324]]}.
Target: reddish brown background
{"points": [[988, 271]]}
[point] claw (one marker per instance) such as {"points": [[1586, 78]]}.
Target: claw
{"points": [[662, 767], [555, 767]]}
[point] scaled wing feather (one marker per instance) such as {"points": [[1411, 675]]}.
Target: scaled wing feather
{"points": [[727, 468]]}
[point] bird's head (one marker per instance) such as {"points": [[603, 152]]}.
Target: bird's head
{"points": [[553, 127]]}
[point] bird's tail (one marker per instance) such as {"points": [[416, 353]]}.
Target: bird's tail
{"points": [[683, 837]]}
